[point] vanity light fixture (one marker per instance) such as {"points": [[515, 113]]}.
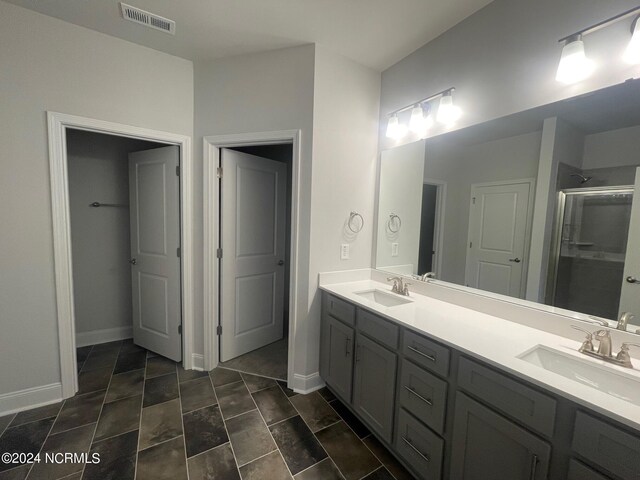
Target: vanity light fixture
{"points": [[574, 64], [421, 118]]}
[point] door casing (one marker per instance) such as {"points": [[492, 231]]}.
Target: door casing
{"points": [[58, 123]]}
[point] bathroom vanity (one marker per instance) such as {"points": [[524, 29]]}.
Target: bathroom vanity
{"points": [[462, 395]]}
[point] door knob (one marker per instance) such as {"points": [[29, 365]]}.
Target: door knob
{"points": [[280, 262], [631, 279], [515, 260], [133, 261]]}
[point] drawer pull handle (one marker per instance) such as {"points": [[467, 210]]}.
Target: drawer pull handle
{"points": [[408, 442], [430, 357], [534, 467], [413, 392]]}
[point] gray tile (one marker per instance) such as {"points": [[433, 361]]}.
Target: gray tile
{"points": [[100, 359], [117, 458], [160, 423], [102, 347], [160, 389], [299, 447], [380, 474], [268, 361], [324, 470], [27, 438], [34, 414], [77, 440], [82, 353], [287, 391], [222, 376], [79, 410], [74, 476], [356, 425], [125, 385], [326, 394], [315, 411], [196, 394], [129, 347], [249, 437], [94, 380], [119, 417], [255, 383], [234, 399], [350, 455], [186, 375], [215, 464], [388, 460], [204, 430], [157, 366], [130, 361], [163, 461], [266, 468], [274, 405], [18, 473], [5, 421]]}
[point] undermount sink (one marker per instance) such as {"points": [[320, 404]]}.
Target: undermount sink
{"points": [[383, 298], [607, 380]]}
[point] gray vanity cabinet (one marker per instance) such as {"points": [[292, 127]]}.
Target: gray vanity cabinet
{"points": [[374, 385], [337, 347], [487, 446]]}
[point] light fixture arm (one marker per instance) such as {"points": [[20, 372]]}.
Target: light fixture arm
{"points": [[420, 102], [600, 25]]}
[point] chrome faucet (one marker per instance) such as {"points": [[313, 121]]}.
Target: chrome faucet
{"points": [[426, 276], [399, 287], [604, 348], [623, 321]]}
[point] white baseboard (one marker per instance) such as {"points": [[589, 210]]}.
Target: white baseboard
{"points": [[102, 336], [13, 402], [307, 383], [197, 362]]}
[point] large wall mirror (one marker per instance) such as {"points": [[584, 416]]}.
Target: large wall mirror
{"points": [[542, 206]]}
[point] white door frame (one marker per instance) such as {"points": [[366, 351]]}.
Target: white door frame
{"points": [[58, 123], [212, 145], [527, 231], [441, 202]]}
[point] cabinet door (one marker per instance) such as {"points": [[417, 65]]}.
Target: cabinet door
{"points": [[374, 385], [487, 446], [336, 357]]}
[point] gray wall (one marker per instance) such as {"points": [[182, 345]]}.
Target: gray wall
{"points": [[98, 169], [48, 64]]}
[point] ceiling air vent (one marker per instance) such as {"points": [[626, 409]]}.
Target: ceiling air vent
{"points": [[151, 20]]}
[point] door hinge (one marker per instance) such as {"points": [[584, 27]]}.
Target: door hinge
{"points": [[473, 200], [178, 170], [178, 252], [219, 172], [180, 329], [219, 330], [219, 253], [470, 244]]}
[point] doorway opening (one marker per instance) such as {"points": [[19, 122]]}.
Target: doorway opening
{"points": [[255, 186], [431, 233]]}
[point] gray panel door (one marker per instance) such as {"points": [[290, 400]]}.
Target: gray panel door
{"points": [[155, 238], [486, 446], [337, 356], [374, 385]]}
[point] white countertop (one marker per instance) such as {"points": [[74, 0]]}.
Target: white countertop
{"points": [[496, 341]]}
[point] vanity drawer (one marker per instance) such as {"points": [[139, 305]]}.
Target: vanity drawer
{"points": [[522, 403], [579, 471], [604, 445], [378, 328], [340, 309], [425, 352], [424, 395], [419, 446]]}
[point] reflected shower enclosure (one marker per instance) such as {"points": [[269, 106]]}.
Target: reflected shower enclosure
{"points": [[587, 264]]}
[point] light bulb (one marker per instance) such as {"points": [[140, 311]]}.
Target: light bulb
{"points": [[632, 53], [574, 65], [448, 113], [394, 129], [417, 119]]}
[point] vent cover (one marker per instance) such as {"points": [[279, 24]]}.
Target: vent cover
{"points": [[148, 19]]}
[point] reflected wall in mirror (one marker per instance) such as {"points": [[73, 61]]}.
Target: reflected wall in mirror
{"points": [[537, 206]]}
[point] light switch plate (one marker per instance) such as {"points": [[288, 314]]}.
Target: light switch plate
{"points": [[394, 249], [344, 251]]}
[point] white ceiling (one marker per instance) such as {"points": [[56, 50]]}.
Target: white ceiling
{"points": [[376, 33]]}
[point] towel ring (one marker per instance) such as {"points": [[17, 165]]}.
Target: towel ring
{"points": [[393, 219], [353, 216]]}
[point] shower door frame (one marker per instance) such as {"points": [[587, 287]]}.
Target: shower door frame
{"points": [[556, 239]]}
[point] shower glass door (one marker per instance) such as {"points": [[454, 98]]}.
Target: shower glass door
{"points": [[590, 247]]}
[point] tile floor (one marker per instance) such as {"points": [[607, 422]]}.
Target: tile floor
{"points": [[148, 418], [268, 361]]}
